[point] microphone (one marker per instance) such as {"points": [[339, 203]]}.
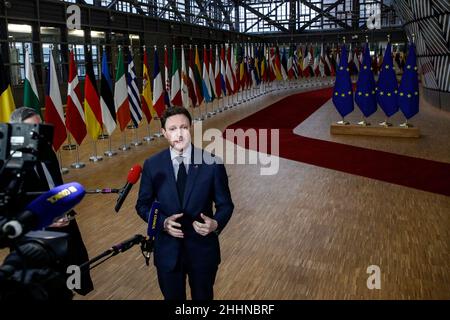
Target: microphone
{"points": [[42, 211], [133, 176], [151, 229]]}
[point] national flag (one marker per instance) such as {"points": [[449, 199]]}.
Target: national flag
{"points": [[175, 87], [277, 65], [92, 108], [271, 68], [54, 112], [365, 86], [30, 93], [234, 66], [217, 75], [185, 99], [408, 91], [134, 97], [284, 62], [7, 104], [206, 85], [387, 87], [300, 61], [316, 66], [230, 80], [75, 121], [121, 94], [147, 95], [257, 59], [237, 67], [322, 64], [223, 71], [211, 73], [195, 89], [329, 65], [107, 98], [166, 78], [264, 74], [158, 90], [342, 91], [198, 77]]}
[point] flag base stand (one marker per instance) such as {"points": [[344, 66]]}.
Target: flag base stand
{"points": [[385, 123], [149, 136], [124, 146], [377, 131], [61, 168], [95, 158], [136, 142], [158, 134], [110, 153], [406, 125], [364, 123], [69, 147], [343, 122], [77, 165]]}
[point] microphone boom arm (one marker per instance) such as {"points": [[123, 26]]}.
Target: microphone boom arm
{"points": [[146, 248]]}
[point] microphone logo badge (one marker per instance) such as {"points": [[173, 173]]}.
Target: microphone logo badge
{"points": [[62, 194]]}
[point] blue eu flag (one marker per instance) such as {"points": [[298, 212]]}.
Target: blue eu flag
{"points": [[387, 85], [365, 86], [408, 91], [342, 92]]}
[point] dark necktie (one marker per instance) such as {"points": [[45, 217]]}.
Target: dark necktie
{"points": [[181, 179]]}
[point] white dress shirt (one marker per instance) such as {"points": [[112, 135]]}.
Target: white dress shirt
{"points": [[186, 159]]}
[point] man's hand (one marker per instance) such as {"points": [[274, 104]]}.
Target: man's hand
{"points": [[172, 227], [206, 228]]}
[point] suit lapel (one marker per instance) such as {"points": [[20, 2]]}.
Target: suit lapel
{"points": [[168, 167], [192, 175]]}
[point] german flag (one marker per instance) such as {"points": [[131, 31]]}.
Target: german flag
{"points": [[92, 108], [7, 105]]}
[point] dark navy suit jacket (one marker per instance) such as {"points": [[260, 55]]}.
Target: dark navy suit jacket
{"points": [[207, 183]]}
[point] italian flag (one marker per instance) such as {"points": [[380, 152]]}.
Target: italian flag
{"points": [[121, 95]]}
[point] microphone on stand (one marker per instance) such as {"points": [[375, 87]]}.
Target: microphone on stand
{"points": [[133, 176]]}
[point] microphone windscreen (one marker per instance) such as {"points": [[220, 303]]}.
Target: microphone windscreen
{"points": [[55, 202], [134, 174]]}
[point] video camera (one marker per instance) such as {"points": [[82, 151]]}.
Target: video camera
{"points": [[36, 266]]}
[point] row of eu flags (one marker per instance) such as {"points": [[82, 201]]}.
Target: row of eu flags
{"points": [[386, 92]]}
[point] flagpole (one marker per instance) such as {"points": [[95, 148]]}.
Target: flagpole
{"points": [[136, 141], [62, 169], [124, 146], [69, 145], [77, 164], [110, 152], [149, 137], [95, 157]]}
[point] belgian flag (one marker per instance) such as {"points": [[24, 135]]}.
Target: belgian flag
{"points": [[7, 105]]}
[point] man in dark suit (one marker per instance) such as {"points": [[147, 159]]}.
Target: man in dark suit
{"points": [[186, 181], [43, 177]]}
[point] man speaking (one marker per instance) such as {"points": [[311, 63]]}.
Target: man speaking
{"points": [[186, 181]]}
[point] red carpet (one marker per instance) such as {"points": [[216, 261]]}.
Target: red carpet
{"points": [[286, 114]]}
